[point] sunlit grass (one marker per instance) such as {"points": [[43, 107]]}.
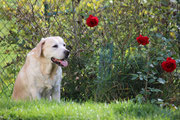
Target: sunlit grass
{"points": [[83, 111]]}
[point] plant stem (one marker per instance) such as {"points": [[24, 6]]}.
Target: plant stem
{"points": [[146, 84], [74, 21]]}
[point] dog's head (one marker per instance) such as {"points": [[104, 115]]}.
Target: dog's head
{"points": [[54, 49]]}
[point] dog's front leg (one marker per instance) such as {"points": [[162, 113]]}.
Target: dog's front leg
{"points": [[56, 92], [35, 94]]}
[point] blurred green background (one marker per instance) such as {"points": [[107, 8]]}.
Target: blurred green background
{"points": [[106, 62]]}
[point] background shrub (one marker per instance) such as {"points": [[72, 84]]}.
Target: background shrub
{"points": [[106, 61]]}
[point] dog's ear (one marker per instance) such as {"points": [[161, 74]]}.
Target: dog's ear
{"points": [[39, 47]]}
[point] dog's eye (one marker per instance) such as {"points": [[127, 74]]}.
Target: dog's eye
{"points": [[55, 46], [64, 45]]}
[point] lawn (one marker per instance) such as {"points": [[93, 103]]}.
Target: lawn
{"points": [[84, 111]]}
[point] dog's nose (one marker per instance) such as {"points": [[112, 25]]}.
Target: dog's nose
{"points": [[66, 52]]}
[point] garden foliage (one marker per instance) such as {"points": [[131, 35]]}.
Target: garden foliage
{"points": [[107, 59]]}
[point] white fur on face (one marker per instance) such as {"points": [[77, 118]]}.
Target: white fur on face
{"points": [[57, 52]]}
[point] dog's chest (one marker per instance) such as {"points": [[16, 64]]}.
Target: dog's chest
{"points": [[48, 82]]}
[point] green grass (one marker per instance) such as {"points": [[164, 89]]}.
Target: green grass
{"points": [[36, 110]]}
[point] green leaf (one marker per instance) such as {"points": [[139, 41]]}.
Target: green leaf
{"points": [[145, 77], [158, 35], [154, 89], [160, 58], [160, 100], [141, 77], [151, 65], [153, 101], [135, 76], [151, 80], [139, 72], [160, 80], [155, 63]]}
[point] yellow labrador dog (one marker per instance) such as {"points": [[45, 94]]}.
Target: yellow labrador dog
{"points": [[41, 75]]}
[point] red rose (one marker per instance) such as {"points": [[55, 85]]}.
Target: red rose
{"points": [[169, 65], [92, 21], [142, 40]]}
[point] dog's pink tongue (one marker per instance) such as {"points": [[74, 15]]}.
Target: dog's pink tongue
{"points": [[64, 63]]}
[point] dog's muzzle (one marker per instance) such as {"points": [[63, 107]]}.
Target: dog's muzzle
{"points": [[61, 62]]}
